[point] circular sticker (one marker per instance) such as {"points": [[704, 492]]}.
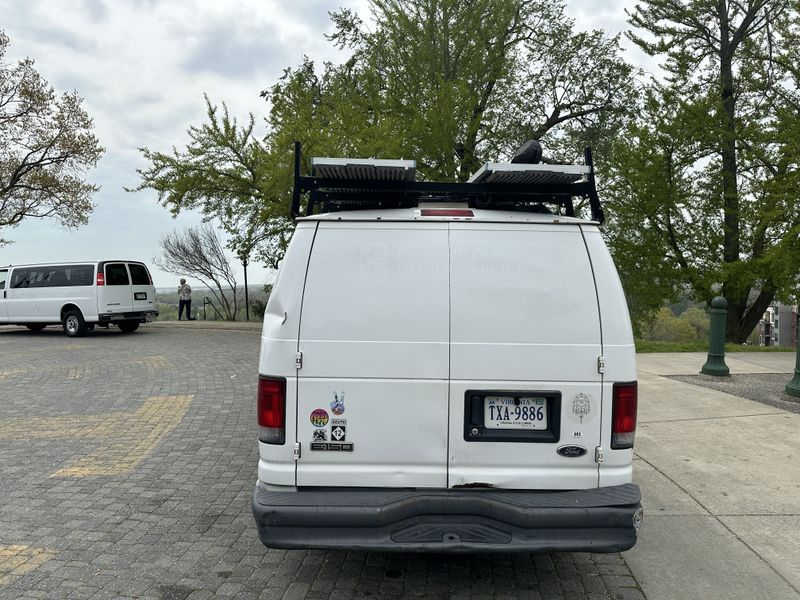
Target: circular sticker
{"points": [[319, 417], [581, 408]]}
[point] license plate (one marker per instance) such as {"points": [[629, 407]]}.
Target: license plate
{"points": [[505, 412], [140, 295]]}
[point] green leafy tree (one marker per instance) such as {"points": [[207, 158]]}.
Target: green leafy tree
{"points": [[666, 327], [699, 319], [704, 182], [46, 145], [453, 84], [225, 172], [447, 83]]}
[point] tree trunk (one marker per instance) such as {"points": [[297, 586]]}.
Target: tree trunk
{"points": [[734, 292], [741, 320]]}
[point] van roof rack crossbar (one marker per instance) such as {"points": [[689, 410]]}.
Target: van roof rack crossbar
{"points": [[341, 184]]}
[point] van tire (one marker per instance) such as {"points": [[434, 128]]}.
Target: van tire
{"points": [[36, 327], [128, 326], [74, 325]]}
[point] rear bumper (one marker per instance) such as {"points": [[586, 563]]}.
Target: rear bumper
{"points": [[141, 316], [596, 520]]}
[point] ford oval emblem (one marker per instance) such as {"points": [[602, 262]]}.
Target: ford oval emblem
{"points": [[571, 451]]}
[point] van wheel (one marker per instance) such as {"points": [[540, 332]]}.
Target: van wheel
{"points": [[36, 326], [128, 326], [74, 325]]}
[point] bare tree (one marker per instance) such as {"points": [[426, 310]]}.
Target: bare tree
{"points": [[197, 252]]}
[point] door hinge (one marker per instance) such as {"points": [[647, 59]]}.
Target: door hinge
{"points": [[297, 450], [601, 364], [598, 455], [298, 360]]}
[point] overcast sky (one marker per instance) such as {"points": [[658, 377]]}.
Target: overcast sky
{"points": [[142, 67]]}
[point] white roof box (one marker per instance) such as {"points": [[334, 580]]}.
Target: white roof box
{"points": [[523, 173], [371, 169]]}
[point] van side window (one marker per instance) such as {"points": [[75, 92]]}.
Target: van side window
{"points": [[3, 275], [139, 274], [19, 279], [41, 276], [80, 275], [56, 276], [116, 274]]}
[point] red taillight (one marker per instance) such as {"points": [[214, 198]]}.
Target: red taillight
{"points": [[623, 415], [446, 212], [101, 279], [272, 410]]}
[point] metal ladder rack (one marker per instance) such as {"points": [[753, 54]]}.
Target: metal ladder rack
{"points": [[341, 184]]}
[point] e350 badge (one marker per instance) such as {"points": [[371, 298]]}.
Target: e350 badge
{"points": [[331, 447]]}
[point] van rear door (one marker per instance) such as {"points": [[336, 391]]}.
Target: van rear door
{"points": [[144, 294], [372, 389], [115, 295], [525, 394]]}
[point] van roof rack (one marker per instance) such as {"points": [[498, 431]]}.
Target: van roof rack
{"points": [[341, 184]]}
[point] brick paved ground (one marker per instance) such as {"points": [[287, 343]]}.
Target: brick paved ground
{"points": [[126, 468]]}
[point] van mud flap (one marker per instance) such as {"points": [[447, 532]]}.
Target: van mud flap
{"points": [[596, 520]]}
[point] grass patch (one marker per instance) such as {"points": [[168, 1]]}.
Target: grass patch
{"points": [[698, 346]]}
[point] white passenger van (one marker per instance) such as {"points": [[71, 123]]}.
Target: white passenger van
{"points": [[449, 367], [77, 295]]}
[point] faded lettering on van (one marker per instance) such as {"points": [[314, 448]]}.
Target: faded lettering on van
{"points": [[416, 264], [482, 263], [373, 262]]}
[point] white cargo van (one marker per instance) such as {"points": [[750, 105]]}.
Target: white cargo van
{"points": [[435, 376], [77, 295]]}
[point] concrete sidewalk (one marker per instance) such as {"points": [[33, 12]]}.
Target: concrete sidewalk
{"points": [[720, 478]]}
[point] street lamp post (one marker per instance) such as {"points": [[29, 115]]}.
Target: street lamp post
{"points": [[793, 387], [246, 296]]}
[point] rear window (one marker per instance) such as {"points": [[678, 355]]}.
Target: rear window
{"points": [[139, 274], [117, 274]]}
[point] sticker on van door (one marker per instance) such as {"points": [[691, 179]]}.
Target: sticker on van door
{"points": [[338, 433], [319, 417], [337, 404], [581, 409]]}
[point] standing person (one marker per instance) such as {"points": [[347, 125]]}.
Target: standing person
{"points": [[185, 300]]}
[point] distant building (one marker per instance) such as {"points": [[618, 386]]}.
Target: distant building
{"points": [[778, 327]]}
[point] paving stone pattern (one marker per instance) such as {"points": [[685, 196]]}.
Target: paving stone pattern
{"points": [[172, 520]]}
